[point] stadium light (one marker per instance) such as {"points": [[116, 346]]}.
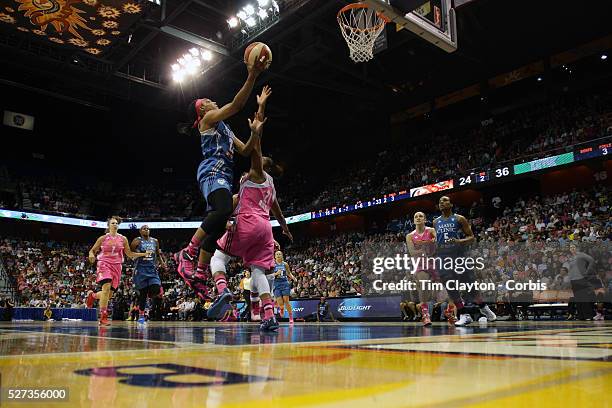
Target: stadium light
{"points": [[249, 10], [604, 57], [232, 22], [190, 63], [251, 17], [206, 55]]}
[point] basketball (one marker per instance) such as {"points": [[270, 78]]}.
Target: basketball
{"points": [[258, 54]]}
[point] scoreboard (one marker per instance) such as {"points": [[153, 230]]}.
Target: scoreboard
{"points": [[484, 175], [593, 151]]}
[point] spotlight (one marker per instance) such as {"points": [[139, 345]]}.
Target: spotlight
{"points": [[178, 76], [130, 38], [243, 31], [232, 22], [263, 3], [191, 68], [539, 79], [263, 14], [251, 22], [604, 57], [242, 15], [206, 55], [188, 57], [194, 52], [182, 61], [175, 67], [249, 10]]}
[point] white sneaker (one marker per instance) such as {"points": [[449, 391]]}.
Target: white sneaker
{"points": [[464, 320], [598, 316], [485, 310]]}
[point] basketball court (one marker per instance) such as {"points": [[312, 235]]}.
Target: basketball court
{"points": [[391, 365], [357, 364]]}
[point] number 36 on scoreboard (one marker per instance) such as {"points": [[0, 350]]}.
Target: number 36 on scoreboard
{"points": [[481, 177]]}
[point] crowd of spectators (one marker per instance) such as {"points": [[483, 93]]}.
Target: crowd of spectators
{"points": [[425, 158], [524, 240], [52, 194], [520, 134]]}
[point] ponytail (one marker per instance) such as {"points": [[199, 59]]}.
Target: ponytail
{"points": [[186, 128]]}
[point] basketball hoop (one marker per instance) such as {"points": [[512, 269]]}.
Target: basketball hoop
{"points": [[360, 26]]}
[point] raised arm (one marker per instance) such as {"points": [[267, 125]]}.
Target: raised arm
{"points": [[256, 173], [262, 99], [130, 253], [278, 214], [216, 115]]}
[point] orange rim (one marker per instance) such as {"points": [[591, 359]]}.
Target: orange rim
{"points": [[360, 6]]}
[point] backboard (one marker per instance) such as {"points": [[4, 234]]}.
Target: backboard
{"points": [[433, 20]]}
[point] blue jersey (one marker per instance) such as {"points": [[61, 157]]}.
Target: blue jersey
{"points": [[447, 229], [218, 151], [280, 267], [144, 246]]}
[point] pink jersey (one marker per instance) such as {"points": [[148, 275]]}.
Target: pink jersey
{"points": [[111, 250], [425, 236], [255, 198], [425, 250]]}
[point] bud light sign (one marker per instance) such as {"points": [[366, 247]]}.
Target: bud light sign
{"points": [[351, 308]]}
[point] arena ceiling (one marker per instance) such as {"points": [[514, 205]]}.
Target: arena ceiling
{"points": [[94, 51]]}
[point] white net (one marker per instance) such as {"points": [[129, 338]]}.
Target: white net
{"points": [[360, 26]]}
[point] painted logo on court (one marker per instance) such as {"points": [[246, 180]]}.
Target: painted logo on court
{"points": [[161, 380]]}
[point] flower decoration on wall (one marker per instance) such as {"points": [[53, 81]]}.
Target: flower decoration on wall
{"points": [[131, 8], [108, 12], [92, 25]]}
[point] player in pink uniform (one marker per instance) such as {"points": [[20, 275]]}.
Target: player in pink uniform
{"points": [[421, 244], [251, 238], [109, 249]]}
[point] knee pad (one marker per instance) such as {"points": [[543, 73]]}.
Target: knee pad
{"points": [[218, 262], [222, 207], [259, 281]]}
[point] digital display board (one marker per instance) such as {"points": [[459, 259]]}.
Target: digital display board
{"points": [[431, 188], [544, 163], [588, 151], [593, 151]]}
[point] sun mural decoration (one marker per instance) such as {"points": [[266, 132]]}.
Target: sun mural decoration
{"points": [[6, 18], [61, 14], [76, 23]]}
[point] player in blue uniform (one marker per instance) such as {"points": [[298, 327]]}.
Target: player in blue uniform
{"points": [[215, 178], [146, 277], [282, 288], [453, 234]]}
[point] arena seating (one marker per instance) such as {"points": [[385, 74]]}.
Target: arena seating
{"points": [[519, 134], [58, 274]]}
